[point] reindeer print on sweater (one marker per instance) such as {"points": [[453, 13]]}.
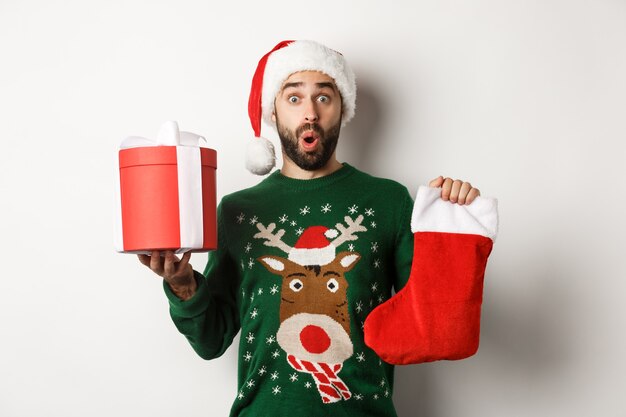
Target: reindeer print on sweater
{"points": [[312, 260], [314, 319], [299, 266]]}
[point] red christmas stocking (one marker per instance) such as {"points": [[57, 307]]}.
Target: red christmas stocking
{"points": [[436, 315]]}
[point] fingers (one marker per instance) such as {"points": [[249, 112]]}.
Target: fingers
{"points": [[436, 183], [144, 259], [457, 191], [171, 260], [184, 261], [167, 266], [446, 188], [454, 192], [465, 189], [474, 192], [156, 264], [185, 271], [174, 266]]}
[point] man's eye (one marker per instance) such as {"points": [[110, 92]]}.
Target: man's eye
{"points": [[293, 99], [323, 99]]}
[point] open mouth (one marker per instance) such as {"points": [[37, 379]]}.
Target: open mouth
{"points": [[309, 140]]}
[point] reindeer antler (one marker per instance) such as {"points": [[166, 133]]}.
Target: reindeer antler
{"points": [[272, 239], [354, 226]]}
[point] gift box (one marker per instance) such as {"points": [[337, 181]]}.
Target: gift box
{"points": [[167, 198]]}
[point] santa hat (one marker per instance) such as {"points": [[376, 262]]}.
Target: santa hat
{"points": [[313, 247], [273, 69]]}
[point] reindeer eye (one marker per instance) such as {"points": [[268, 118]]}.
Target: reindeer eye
{"points": [[332, 285], [296, 285]]}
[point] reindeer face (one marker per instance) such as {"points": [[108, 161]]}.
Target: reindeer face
{"points": [[315, 323]]}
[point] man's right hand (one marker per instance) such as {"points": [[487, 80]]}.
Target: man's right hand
{"points": [[177, 273]]}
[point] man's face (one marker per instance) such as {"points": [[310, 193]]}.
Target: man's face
{"points": [[308, 118]]}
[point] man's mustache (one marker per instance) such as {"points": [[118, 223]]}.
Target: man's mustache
{"points": [[310, 126]]}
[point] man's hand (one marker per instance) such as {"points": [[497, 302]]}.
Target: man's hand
{"points": [[455, 191], [177, 273]]}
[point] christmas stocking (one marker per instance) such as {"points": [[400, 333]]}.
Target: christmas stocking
{"points": [[436, 315]]}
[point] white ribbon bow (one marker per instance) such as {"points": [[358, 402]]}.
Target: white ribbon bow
{"points": [[169, 135]]}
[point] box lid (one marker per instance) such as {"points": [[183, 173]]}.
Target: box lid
{"points": [[161, 155]]}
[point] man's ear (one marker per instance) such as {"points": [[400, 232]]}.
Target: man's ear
{"points": [[274, 111]]}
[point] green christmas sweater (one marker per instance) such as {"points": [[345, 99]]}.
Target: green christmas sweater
{"points": [[299, 266]]}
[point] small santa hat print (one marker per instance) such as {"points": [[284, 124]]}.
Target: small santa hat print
{"points": [[313, 247], [286, 58]]}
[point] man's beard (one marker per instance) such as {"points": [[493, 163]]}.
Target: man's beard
{"points": [[309, 161]]}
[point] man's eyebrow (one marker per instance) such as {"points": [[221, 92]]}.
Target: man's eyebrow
{"points": [[321, 85], [288, 85], [325, 84]]}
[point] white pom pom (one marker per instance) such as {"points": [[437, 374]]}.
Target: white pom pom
{"points": [[331, 233], [260, 156]]}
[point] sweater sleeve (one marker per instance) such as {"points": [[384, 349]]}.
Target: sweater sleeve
{"points": [[210, 319], [403, 254]]}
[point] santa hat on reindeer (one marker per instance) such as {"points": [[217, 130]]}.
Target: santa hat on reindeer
{"points": [[273, 69], [313, 247]]}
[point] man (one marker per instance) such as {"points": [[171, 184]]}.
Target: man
{"points": [[304, 256]]}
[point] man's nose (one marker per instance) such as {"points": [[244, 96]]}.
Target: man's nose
{"points": [[310, 112]]}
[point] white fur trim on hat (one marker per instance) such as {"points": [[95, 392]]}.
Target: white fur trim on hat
{"points": [[307, 56], [312, 256]]}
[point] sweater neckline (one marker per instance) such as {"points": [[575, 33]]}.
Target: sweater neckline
{"points": [[278, 178]]}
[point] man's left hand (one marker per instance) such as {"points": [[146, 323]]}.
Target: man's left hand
{"points": [[455, 191]]}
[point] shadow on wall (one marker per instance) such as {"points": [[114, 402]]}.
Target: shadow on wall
{"points": [[413, 391], [529, 335], [357, 139], [522, 343], [370, 133]]}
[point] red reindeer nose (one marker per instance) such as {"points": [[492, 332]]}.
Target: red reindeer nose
{"points": [[314, 339]]}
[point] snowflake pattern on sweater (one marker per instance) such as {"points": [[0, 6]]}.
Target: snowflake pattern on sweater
{"points": [[319, 337], [313, 258]]}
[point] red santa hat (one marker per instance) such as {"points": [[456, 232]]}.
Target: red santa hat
{"points": [[273, 69], [313, 247]]}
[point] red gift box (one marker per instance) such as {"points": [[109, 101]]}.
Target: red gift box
{"points": [[167, 195]]}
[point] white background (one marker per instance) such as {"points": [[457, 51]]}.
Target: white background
{"points": [[525, 99]]}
